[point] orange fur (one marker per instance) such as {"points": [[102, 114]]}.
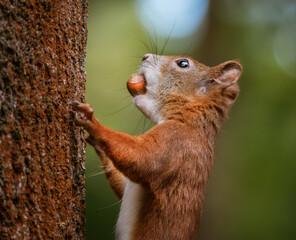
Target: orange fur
{"points": [[173, 160]]}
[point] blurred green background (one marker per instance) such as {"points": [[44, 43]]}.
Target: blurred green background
{"points": [[251, 193]]}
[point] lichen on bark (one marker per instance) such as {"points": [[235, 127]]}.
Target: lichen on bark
{"points": [[42, 153]]}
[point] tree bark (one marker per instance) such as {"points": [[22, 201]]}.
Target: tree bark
{"points": [[42, 153]]}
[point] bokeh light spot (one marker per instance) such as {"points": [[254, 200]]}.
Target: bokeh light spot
{"points": [[174, 17]]}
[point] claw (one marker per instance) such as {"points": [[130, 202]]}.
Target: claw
{"points": [[74, 103], [81, 122], [84, 108], [87, 120], [90, 140]]}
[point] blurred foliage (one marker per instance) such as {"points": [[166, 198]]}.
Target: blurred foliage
{"points": [[251, 193]]}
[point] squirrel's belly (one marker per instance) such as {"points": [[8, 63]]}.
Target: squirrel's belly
{"points": [[130, 207]]}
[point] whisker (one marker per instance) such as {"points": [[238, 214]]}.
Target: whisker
{"points": [[144, 124], [156, 45], [130, 112], [112, 205], [98, 173], [190, 46], [153, 42], [168, 38], [138, 124], [133, 65], [153, 47], [135, 56], [147, 125], [127, 96], [95, 174], [150, 66], [121, 109], [119, 89], [146, 45]]}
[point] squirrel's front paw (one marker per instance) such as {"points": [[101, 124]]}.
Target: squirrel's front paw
{"points": [[88, 120]]}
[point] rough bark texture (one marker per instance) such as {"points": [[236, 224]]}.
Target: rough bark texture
{"points": [[42, 153]]}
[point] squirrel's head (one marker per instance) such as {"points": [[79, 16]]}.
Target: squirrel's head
{"points": [[167, 83]]}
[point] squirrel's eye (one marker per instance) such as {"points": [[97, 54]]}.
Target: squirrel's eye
{"points": [[183, 63]]}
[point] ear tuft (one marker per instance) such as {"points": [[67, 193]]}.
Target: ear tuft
{"points": [[228, 73]]}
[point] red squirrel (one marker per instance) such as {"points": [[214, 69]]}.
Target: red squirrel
{"points": [[161, 175]]}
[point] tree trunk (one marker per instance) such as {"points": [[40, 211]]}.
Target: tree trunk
{"points": [[42, 153]]}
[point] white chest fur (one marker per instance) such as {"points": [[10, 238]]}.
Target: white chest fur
{"points": [[129, 210]]}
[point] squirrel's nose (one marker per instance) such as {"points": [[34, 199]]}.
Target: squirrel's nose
{"points": [[145, 57]]}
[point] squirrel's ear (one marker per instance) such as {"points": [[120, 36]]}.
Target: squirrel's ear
{"points": [[227, 73]]}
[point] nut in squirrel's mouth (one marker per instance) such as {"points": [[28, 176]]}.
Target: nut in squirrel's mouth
{"points": [[136, 84]]}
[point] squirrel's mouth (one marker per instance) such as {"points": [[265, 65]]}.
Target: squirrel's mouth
{"points": [[136, 84]]}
